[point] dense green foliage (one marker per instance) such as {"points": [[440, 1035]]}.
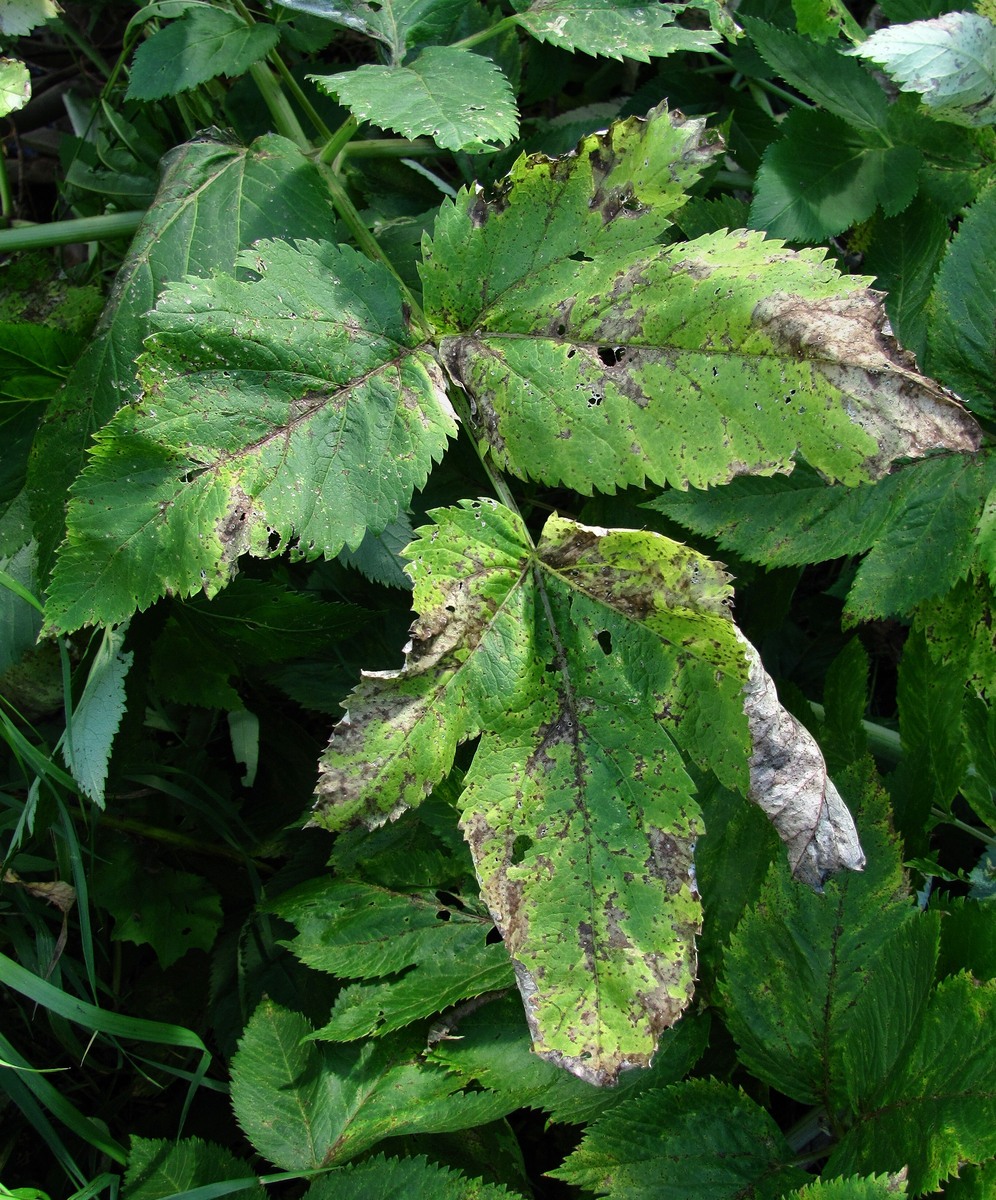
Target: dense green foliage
{"points": [[521, 318]]}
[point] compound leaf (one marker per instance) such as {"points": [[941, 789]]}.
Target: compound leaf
{"points": [[937, 1110], [961, 342], [950, 61], [413, 1178], [699, 1140], [595, 358], [159, 1169], [804, 972], [917, 525], [824, 175], [305, 1104], [292, 412], [201, 45], [460, 99], [615, 28], [418, 953]]}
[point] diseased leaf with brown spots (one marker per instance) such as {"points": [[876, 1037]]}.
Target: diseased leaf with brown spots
{"points": [[590, 666], [294, 412], [596, 358]]}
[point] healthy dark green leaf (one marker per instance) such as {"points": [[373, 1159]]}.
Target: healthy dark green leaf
{"points": [[804, 972], [414, 1178], [937, 1109], [917, 525], [821, 72], [461, 100], [160, 1169], [201, 45], [961, 343], [303, 1104], [416, 953], [824, 175], [698, 1140], [289, 413]]}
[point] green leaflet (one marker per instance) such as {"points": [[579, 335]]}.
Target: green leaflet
{"points": [[959, 630], [417, 954], [617, 28], [292, 412], [871, 1187], [590, 665], [937, 1109], [214, 199], [596, 358], [950, 62], [459, 99], [823, 176], [918, 526], [699, 1140], [961, 344], [398, 24], [303, 1104], [90, 734], [159, 1169], [414, 1178], [805, 973], [201, 45], [491, 1044]]}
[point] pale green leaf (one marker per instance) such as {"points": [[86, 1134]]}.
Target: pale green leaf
{"points": [[823, 175], [214, 199], [292, 412], [595, 358], [305, 1104], [19, 17], [460, 99], [613, 28], [90, 734], [804, 972], [937, 1110], [950, 61], [360, 931], [159, 1169], [699, 1140], [961, 341], [868, 1187], [577, 808], [15, 85], [917, 525], [413, 1178], [201, 45]]}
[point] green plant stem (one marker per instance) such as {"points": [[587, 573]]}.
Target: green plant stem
{"points": [[299, 94], [497, 480], [883, 743], [284, 117], [940, 815], [6, 196], [485, 35], [773, 89], [366, 240], [337, 141], [169, 837], [390, 148], [66, 233]]}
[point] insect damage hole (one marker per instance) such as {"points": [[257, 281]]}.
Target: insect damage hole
{"points": [[611, 356], [604, 639]]}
